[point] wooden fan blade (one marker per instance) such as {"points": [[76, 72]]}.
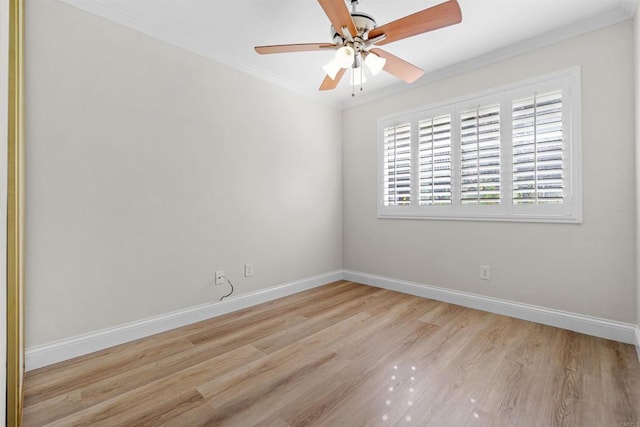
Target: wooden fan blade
{"points": [[328, 83], [399, 67], [303, 47], [439, 16], [338, 14]]}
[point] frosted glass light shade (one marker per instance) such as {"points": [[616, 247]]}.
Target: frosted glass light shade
{"points": [[344, 56], [375, 63], [343, 59], [332, 68]]}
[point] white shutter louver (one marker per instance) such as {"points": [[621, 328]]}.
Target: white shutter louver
{"points": [[434, 145], [480, 155], [538, 158], [397, 165]]}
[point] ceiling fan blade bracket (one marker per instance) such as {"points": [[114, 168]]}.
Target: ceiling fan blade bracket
{"points": [[374, 40], [347, 34]]}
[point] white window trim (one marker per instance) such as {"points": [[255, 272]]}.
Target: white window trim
{"points": [[569, 212]]}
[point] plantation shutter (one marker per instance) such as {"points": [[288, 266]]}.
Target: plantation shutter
{"points": [[538, 158], [508, 154], [434, 146], [480, 155], [397, 165]]}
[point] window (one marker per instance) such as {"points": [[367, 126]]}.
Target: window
{"points": [[511, 154]]}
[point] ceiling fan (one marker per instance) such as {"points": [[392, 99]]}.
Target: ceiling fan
{"points": [[355, 36]]}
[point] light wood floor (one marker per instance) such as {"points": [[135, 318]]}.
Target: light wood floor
{"points": [[346, 355]]}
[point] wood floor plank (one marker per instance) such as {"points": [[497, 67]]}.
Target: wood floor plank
{"points": [[102, 365], [619, 383], [513, 385], [346, 354], [370, 396], [455, 383], [145, 405], [96, 392], [263, 311], [325, 319], [330, 302], [320, 405], [396, 323], [404, 384], [246, 397], [479, 418], [569, 382], [284, 359]]}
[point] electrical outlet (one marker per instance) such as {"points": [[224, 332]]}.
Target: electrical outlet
{"points": [[248, 270], [220, 277], [485, 272]]}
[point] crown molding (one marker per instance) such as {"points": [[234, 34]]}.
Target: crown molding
{"points": [[629, 6], [624, 11]]}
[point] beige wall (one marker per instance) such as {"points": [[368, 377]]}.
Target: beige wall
{"points": [[149, 168], [587, 268]]}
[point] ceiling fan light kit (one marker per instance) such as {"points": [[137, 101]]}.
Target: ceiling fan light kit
{"points": [[356, 34], [344, 58], [375, 63]]}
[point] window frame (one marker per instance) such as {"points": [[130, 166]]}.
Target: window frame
{"points": [[569, 81]]}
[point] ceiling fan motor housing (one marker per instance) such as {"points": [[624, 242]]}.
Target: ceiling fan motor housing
{"points": [[363, 22]]}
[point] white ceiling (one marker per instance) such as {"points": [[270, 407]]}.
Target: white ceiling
{"points": [[227, 31]]}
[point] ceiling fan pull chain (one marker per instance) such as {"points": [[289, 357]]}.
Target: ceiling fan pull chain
{"points": [[353, 84]]}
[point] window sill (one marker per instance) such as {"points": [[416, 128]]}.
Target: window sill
{"points": [[488, 218]]}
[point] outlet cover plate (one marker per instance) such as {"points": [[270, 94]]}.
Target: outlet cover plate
{"points": [[248, 270], [220, 277]]}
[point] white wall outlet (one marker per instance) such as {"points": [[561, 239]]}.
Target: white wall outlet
{"points": [[485, 272], [220, 277], [248, 270]]}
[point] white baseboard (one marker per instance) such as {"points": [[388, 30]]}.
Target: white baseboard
{"points": [[43, 355], [609, 329], [39, 356]]}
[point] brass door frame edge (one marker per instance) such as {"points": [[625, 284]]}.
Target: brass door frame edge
{"points": [[15, 216]]}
